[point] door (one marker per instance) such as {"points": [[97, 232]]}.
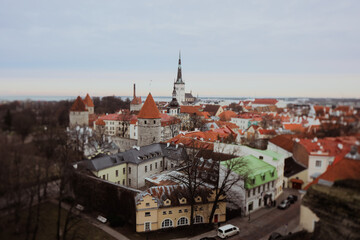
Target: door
{"points": [[147, 226], [216, 218]]}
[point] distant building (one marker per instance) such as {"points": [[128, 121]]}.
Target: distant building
{"points": [[136, 103], [81, 111]]}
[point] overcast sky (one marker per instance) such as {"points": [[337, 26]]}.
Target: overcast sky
{"points": [[229, 48]]}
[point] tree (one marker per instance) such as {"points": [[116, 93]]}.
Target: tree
{"points": [[7, 120], [23, 123]]}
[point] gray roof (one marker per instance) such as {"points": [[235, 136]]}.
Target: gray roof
{"points": [[137, 155]]}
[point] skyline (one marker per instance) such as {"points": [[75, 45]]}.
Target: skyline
{"points": [[232, 48]]}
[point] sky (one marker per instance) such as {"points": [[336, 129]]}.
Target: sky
{"points": [[258, 48]]}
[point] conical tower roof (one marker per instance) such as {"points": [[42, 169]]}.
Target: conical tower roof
{"points": [[88, 101], [78, 106], [149, 109]]}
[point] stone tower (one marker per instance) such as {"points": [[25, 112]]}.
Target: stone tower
{"points": [[149, 123], [79, 114], [179, 85], [89, 104]]}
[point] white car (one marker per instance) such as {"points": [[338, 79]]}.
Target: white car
{"points": [[227, 231]]}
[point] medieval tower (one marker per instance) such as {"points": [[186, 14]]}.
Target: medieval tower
{"points": [[149, 123], [179, 85]]}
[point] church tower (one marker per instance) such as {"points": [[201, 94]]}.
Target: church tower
{"points": [[173, 108], [149, 123], [179, 85]]}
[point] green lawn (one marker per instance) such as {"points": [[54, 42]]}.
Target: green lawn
{"points": [[47, 227]]}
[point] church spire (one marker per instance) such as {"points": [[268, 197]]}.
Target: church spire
{"points": [[179, 74]]}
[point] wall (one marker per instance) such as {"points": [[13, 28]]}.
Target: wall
{"points": [[124, 144], [325, 162], [149, 131], [279, 150], [78, 119]]}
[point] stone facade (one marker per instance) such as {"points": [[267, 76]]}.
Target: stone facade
{"points": [[78, 118], [149, 131]]}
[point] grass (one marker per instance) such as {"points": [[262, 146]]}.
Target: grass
{"points": [[47, 226]]}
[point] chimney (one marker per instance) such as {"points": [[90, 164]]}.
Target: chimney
{"points": [[134, 91]]}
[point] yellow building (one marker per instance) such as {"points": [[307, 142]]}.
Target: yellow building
{"points": [[166, 207]]}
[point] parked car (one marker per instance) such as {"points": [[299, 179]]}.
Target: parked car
{"points": [[227, 231], [284, 204], [208, 238], [275, 235], [292, 198]]}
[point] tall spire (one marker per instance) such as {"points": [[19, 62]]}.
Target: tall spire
{"points": [[179, 75]]}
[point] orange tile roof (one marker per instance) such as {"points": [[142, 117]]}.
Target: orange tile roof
{"points": [[78, 106], [284, 141], [227, 124], [322, 147], [136, 101], [295, 127], [343, 169], [88, 102], [265, 101], [267, 131], [189, 109], [227, 115], [149, 109], [100, 122]]}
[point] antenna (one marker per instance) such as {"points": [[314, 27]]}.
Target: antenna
{"points": [[150, 85]]}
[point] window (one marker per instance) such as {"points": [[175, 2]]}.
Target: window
{"points": [[145, 168], [117, 173], [129, 182], [201, 208], [260, 202], [164, 212], [272, 184], [156, 165], [154, 121], [318, 163], [272, 174], [147, 226], [180, 211], [170, 212], [148, 204], [199, 219], [251, 206], [104, 177], [268, 186], [253, 181], [129, 170], [185, 210], [160, 164], [167, 223], [123, 181], [254, 191], [123, 170], [263, 177], [258, 189], [145, 122], [183, 221], [147, 214], [150, 167]]}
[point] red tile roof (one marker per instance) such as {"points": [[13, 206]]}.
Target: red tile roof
{"points": [[149, 109], [100, 122], [78, 106], [267, 131], [321, 147], [284, 141], [136, 101], [88, 102], [265, 101], [227, 115], [344, 169], [294, 127]]}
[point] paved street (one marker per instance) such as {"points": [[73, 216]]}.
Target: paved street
{"points": [[265, 221]]}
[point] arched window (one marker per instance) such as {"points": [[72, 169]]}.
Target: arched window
{"points": [[145, 122], [183, 221], [199, 219], [167, 223]]}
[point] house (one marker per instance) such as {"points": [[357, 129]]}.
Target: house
{"points": [[347, 167], [293, 173], [213, 110], [162, 207], [257, 190], [317, 155], [130, 168], [245, 120], [227, 115]]}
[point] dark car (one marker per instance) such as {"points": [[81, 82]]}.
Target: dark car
{"points": [[284, 204], [208, 238], [292, 198], [275, 235]]}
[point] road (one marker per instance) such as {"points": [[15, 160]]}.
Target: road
{"points": [[265, 221]]}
